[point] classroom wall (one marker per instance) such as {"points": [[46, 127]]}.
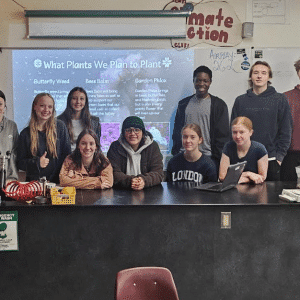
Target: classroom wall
{"points": [[12, 24], [13, 30]]}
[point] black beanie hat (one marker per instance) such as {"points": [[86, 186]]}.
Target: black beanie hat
{"points": [[134, 122]]}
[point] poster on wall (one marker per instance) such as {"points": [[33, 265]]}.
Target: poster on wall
{"points": [[119, 83], [268, 11], [213, 22], [9, 231]]}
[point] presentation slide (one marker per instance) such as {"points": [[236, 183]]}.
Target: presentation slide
{"points": [[119, 83]]}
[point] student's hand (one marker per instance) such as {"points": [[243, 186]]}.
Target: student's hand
{"points": [[279, 162], [44, 161], [256, 178], [244, 178], [137, 183], [105, 184]]}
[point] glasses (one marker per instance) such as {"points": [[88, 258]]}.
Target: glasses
{"points": [[135, 130]]}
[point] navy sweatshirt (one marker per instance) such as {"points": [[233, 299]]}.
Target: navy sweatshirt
{"points": [[271, 117]]}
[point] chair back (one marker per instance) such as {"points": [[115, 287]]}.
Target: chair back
{"points": [[145, 283]]}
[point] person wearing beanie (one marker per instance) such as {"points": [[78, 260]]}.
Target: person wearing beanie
{"points": [[135, 157], [134, 122]]}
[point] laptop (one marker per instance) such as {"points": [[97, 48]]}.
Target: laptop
{"points": [[233, 175]]}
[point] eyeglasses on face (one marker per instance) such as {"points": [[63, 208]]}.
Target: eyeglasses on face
{"points": [[135, 130]]}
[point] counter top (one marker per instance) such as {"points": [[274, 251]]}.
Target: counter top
{"points": [[180, 193]]}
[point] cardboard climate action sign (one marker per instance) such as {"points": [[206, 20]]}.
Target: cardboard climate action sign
{"points": [[214, 23]]}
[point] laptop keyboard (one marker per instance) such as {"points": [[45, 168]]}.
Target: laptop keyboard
{"points": [[215, 187]]}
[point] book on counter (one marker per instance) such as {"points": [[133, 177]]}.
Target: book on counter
{"points": [[292, 195]]}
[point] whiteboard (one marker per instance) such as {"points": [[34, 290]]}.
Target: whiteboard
{"points": [[231, 75], [230, 68], [282, 62]]}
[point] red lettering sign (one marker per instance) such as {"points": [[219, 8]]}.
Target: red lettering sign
{"points": [[214, 23]]}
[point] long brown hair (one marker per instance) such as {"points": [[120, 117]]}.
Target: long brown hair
{"points": [[51, 135], [85, 116], [99, 160]]}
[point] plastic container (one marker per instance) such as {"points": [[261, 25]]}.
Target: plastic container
{"points": [[63, 195]]}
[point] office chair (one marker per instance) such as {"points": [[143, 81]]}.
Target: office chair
{"points": [[145, 283]]}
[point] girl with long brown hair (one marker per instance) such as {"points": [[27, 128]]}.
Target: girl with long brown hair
{"points": [[87, 167], [77, 115]]}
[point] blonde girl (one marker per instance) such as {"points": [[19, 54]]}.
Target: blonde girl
{"points": [[44, 144]]}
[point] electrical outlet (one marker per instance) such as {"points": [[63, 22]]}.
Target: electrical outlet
{"points": [[225, 220]]}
